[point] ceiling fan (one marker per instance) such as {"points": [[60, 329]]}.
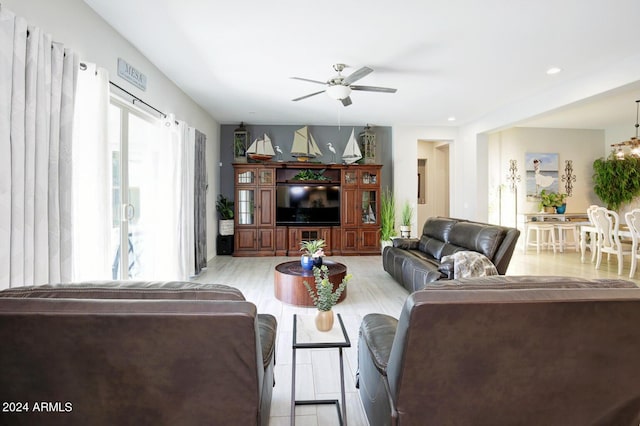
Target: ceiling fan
{"points": [[340, 87]]}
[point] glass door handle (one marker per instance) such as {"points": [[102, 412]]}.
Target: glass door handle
{"points": [[128, 212]]}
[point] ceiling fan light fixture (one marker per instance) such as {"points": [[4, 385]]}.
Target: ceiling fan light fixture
{"points": [[338, 91]]}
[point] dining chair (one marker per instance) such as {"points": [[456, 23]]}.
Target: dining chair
{"points": [[588, 229], [607, 224], [633, 222]]}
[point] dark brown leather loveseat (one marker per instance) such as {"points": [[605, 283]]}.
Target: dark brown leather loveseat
{"points": [[143, 353], [498, 350], [414, 263]]}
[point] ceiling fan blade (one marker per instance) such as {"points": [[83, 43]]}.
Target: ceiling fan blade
{"points": [[374, 89], [346, 101], [356, 75], [309, 80], [307, 96]]}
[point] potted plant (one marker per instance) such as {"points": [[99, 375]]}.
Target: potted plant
{"points": [[387, 218], [405, 220], [324, 297], [551, 201], [225, 209], [312, 253]]}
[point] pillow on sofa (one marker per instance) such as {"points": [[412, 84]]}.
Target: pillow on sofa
{"points": [[469, 264]]}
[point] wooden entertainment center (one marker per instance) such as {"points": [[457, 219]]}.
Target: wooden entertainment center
{"points": [[257, 232]]}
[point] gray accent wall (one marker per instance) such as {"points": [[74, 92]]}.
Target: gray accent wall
{"points": [[282, 135]]}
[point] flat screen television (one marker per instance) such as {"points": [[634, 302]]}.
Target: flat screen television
{"points": [[314, 204]]}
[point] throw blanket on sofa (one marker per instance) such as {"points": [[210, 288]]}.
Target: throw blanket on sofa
{"points": [[468, 264]]}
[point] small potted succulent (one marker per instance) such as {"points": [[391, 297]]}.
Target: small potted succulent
{"points": [[324, 297], [312, 253]]}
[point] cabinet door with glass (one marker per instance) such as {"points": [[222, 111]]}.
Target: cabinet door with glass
{"points": [[369, 195], [254, 188], [254, 210]]}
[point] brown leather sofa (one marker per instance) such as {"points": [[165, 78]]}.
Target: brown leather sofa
{"points": [[551, 351], [125, 353], [414, 263]]}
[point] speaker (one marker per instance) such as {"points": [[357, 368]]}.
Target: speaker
{"points": [[224, 244]]}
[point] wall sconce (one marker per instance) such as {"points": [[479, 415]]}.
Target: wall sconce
{"points": [[568, 177]]}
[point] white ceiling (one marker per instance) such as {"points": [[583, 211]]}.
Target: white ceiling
{"points": [[461, 58]]}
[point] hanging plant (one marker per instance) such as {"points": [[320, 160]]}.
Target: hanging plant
{"points": [[616, 181]]}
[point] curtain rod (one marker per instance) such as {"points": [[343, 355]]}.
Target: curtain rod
{"points": [[135, 98]]}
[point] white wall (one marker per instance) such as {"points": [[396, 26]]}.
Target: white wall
{"points": [[406, 143], [470, 199], [580, 146], [437, 191], [75, 24]]}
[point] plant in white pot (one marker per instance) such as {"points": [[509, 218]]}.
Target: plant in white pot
{"points": [[405, 219], [387, 218], [324, 297], [225, 209]]}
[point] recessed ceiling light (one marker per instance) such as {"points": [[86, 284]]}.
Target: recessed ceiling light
{"points": [[553, 70], [451, 118]]}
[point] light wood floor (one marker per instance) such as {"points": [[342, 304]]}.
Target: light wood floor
{"points": [[370, 290]]}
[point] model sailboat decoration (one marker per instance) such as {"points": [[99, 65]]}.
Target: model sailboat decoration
{"points": [[261, 149], [352, 151], [304, 146]]}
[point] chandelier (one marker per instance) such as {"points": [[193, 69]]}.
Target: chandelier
{"points": [[618, 149]]}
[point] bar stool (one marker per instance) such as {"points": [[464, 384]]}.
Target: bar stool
{"points": [[563, 228], [544, 232]]}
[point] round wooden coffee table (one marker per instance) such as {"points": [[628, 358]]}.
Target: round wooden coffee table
{"points": [[290, 277]]}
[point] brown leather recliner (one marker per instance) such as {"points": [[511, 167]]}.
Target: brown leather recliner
{"points": [[551, 351], [106, 353]]}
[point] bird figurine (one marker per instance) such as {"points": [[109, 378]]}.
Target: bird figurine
{"points": [[333, 153], [279, 153]]}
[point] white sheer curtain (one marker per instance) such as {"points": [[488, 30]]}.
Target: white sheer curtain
{"points": [[91, 210], [168, 214], [37, 89]]}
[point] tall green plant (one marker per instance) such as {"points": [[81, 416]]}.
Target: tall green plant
{"points": [[616, 181], [407, 214], [387, 215]]}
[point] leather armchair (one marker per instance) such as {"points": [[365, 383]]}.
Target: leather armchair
{"points": [[136, 353], [550, 351]]}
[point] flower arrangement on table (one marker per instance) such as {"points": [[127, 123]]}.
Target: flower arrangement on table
{"points": [[312, 253], [313, 248]]}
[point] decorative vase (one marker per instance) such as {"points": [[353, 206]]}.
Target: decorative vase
{"points": [[561, 209], [317, 261], [306, 262], [324, 320], [549, 209], [405, 231]]}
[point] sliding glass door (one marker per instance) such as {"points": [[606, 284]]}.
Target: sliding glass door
{"points": [[134, 190]]}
